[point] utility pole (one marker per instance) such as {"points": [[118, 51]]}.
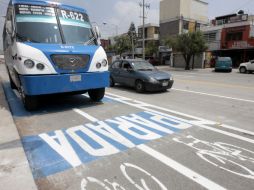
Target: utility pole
{"points": [[132, 44], [143, 46], [144, 6]]}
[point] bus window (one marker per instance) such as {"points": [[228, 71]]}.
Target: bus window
{"points": [[28, 24]]}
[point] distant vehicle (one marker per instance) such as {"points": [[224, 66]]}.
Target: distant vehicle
{"points": [[52, 48], [247, 67], [139, 74], [223, 64]]}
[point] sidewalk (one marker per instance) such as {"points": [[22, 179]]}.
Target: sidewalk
{"points": [[168, 68], [15, 172]]}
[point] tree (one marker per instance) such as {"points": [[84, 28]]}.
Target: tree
{"points": [[122, 44], [151, 48], [189, 44], [133, 37]]}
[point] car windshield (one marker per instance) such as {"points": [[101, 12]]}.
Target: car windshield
{"points": [[39, 24], [142, 66]]}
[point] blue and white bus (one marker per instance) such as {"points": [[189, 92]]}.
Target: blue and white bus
{"points": [[52, 48]]}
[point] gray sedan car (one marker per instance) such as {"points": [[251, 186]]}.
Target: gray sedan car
{"points": [[139, 74]]}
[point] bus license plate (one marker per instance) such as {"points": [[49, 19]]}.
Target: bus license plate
{"points": [[165, 84], [75, 78]]}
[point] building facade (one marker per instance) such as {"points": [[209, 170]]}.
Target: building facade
{"points": [[231, 36], [179, 16], [151, 34]]}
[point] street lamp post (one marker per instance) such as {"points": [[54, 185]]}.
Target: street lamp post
{"points": [[116, 27]]}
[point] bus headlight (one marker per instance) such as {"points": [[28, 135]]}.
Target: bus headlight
{"points": [[98, 65], [104, 63], [40, 66], [29, 63]]}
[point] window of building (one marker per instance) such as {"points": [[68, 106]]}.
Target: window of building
{"points": [[237, 36], [210, 37], [185, 25]]}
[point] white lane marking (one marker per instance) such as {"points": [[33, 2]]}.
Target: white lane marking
{"points": [[237, 129], [214, 95], [180, 168], [174, 165], [228, 157], [84, 114], [199, 123]]}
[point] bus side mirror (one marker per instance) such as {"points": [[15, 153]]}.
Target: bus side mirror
{"points": [[9, 27], [97, 31]]}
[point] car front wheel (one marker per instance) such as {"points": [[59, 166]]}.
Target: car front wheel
{"points": [[243, 70], [96, 94]]}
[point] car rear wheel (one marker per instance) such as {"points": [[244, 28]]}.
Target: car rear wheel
{"points": [[112, 83], [96, 94], [139, 86], [243, 70]]}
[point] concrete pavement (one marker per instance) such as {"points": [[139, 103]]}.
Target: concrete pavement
{"points": [[15, 172]]}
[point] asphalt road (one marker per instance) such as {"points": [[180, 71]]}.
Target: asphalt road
{"points": [[198, 135]]}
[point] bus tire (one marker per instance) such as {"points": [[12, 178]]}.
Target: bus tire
{"points": [[96, 94], [12, 84], [30, 103]]}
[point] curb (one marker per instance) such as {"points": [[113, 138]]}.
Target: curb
{"points": [[15, 172]]}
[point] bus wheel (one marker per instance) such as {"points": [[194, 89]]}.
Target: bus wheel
{"points": [[13, 86], [96, 94], [30, 102]]}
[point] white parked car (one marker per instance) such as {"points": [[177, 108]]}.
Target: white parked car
{"points": [[247, 67]]}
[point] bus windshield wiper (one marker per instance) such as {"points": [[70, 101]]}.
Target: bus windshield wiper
{"points": [[89, 41], [25, 39]]}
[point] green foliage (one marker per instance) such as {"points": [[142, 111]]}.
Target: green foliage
{"points": [[151, 48], [189, 44], [122, 44], [132, 32]]}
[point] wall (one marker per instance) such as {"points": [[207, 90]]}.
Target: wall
{"points": [[169, 29], [179, 62], [194, 10], [169, 10], [190, 9]]}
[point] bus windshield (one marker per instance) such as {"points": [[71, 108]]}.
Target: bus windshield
{"points": [[39, 24], [76, 27]]}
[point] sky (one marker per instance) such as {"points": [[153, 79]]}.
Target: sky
{"points": [[118, 14]]}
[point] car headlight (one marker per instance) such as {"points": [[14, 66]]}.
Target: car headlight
{"points": [[152, 80], [171, 78], [29, 63], [104, 63]]}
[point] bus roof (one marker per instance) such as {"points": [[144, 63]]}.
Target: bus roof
{"points": [[48, 3]]}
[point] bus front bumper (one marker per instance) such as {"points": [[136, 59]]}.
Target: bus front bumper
{"points": [[63, 83]]}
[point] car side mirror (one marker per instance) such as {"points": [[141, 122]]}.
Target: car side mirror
{"points": [[129, 69]]}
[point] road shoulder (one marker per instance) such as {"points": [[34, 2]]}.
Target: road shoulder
{"points": [[15, 172]]}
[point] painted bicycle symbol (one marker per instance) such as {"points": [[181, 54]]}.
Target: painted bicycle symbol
{"points": [[228, 157], [125, 168]]}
